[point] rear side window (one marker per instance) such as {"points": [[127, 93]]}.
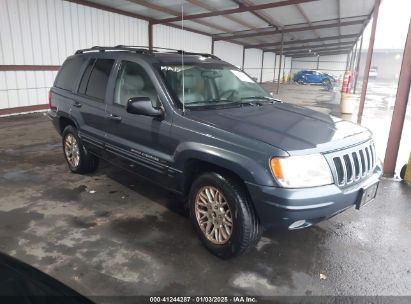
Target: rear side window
{"points": [[97, 83], [86, 76], [68, 73]]}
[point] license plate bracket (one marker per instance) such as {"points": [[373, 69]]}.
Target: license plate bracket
{"points": [[368, 194]]}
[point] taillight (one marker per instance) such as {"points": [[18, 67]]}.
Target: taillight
{"points": [[49, 99]]}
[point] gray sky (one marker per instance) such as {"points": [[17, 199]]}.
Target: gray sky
{"points": [[392, 26]]}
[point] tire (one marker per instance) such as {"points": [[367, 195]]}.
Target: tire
{"points": [[402, 173], [300, 81], [245, 230], [86, 162], [327, 84]]}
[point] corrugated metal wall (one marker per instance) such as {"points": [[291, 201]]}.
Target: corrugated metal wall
{"points": [[252, 62], [230, 52], [45, 32], [268, 68], [170, 37]]}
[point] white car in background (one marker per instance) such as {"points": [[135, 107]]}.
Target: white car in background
{"points": [[373, 73]]}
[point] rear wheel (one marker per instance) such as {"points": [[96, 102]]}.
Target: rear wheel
{"points": [[78, 158], [222, 215]]}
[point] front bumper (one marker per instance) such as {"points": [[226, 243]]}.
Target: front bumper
{"points": [[281, 207]]}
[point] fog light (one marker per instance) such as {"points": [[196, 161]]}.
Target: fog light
{"points": [[297, 224]]}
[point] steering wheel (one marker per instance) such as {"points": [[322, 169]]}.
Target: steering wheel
{"points": [[228, 94]]}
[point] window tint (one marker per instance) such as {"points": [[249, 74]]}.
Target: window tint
{"points": [[68, 74], [97, 83], [133, 81], [86, 76]]}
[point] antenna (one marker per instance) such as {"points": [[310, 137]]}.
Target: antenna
{"points": [[182, 52]]}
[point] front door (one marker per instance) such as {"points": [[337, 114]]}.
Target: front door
{"points": [[141, 143]]}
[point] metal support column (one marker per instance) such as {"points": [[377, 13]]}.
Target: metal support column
{"points": [[347, 62], [318, 62], [357, 67], [262, 66], [212, 46], [150, 35], [242, 65], [354, 59], [400, 108], [368, 61], [275, 62], [281, 59]]}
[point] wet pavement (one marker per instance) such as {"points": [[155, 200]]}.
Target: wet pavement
{"points": [[110, 233]]}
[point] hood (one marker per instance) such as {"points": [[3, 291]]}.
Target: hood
{"points": [[285, 126]]}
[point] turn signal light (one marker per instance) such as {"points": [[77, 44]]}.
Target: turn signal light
{"points": [[276, 168]]}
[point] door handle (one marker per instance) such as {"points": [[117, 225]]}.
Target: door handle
{"points": [[77, 104], [114, 117]]}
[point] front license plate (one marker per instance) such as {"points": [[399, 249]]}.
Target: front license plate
{"points": [[368, 195]]}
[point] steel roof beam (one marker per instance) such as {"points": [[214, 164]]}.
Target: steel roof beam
{"points": [[318, 50], [342, 52], [262, 45], [166, 10], [289, 30], [302, 12], [314, 46], [258, 15], [210, 8], [132, 15], [240, 9]]}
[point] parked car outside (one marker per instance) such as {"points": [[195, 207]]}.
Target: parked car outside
{"points": [[242, 160], [373, 73], [314, 77]]}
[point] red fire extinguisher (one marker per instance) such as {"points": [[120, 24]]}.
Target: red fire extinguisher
{"points": [[347, 81]]}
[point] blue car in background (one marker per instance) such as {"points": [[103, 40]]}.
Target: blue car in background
{"points": [[314, 77]]}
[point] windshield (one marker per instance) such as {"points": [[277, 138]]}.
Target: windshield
{"points": [[211, 85]]}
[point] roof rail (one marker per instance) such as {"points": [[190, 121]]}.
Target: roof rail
{"points": [[111, 48], [141, 50]]}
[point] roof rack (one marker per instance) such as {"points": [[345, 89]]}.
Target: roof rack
{"points": [[111, 48], [142, 50]]}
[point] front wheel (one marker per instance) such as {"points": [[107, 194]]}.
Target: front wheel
{"points": [[327, 84], [222, 215]]}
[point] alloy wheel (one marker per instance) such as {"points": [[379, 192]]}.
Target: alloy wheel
{"points": [[213, 215], [71, 149]]}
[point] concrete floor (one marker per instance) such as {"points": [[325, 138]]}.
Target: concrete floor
{"points": [[110, 233]]}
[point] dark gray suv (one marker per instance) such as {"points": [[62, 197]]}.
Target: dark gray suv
{"points": [[204, 129]]}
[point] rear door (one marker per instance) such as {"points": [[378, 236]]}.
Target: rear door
{"points": [[141, 143], [90, 102]]}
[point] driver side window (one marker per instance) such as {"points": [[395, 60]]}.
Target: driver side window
{"points": [[133, 81]]}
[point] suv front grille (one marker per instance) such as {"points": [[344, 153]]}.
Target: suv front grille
{"points": [[353, 164]]}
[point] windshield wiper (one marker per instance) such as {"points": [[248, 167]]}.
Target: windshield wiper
{"points": [[266, 99]]}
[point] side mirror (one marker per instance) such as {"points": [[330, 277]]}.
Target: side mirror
{"points": [[143, 106]]}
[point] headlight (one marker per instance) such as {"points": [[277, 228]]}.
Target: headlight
{"points": [[301, 171]]}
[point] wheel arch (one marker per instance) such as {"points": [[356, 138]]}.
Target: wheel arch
{"points": [[200, 158], [65, 121]]}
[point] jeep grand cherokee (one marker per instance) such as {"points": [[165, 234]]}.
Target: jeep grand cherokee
{"points": [[204, 129]]}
